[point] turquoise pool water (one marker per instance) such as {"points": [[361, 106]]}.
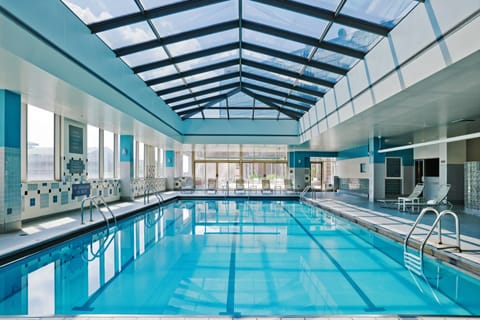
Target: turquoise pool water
{"points": [[234, 258]]}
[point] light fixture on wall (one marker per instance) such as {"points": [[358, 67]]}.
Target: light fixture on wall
{"points": [[433, 142]]}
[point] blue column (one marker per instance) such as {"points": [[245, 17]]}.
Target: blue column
{"points": [[126, 167], [10, 169], [170, 168]]}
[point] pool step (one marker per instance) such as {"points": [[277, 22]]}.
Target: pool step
{"points": [[413, 262]]}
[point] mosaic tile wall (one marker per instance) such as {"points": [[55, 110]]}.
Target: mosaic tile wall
{"points": [[354, 185], [139, 185], [472, 186], [45, 198]]}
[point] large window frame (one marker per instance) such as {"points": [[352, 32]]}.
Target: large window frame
{"points": [[25, 163]]}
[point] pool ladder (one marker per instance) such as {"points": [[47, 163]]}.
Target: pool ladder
{"points": [[147, 193], [106, 240], [304, 192], [97, 201], [414, 262]]}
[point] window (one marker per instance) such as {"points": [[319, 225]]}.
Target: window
{"points": [[394, 167], [108, 155], [186, 165], [40, 144], [141, 160], [93, 155]]}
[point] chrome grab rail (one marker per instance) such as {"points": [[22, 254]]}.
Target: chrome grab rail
{"points": [[415, 263], [305, 190], [94, 200]]}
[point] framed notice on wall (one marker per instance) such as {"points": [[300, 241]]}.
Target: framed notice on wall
{"points": [[75, 139]]}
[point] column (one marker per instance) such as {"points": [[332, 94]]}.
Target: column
{"points": [[126, 167], [376, 174], [10, 170]]}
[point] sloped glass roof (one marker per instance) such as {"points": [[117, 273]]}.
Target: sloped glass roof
{"points": [[236, 59]]}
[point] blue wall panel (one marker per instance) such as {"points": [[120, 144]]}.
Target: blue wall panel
{"points": [[9, 119], [170, 158], [126, 148]]}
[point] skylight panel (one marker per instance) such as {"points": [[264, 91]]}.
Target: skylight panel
{"points": [[277, 43], [240, 114], [157, 73], [330, 5], [90, 11], [322, 74], [351, 37], [144, 57], [194, 19], [168, 84], [207, 60], [127, 35], [175, 94], [210, 74], [199, 43], [266, 114], [385, 12], [150, 4], [271, 61], [333, 58], [283, 19]]}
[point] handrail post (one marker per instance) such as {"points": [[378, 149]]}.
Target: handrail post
{"points": [[91, 211]]}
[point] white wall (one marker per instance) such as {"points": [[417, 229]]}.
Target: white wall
{"points": [[350, 168]]}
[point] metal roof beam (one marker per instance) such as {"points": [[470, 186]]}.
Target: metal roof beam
{"points": [[283, 103], [288, 73], [279, 93], [303, 39], [267, 101], [317, 12], [192, 72], [214, 28], [226, 76], [198, 102], [294, 58], [282, 84], [188, 113], [149, 14], [185, 57], [203, 92]]}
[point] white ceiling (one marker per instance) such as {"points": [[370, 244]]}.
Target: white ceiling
{"points": [[426, 111]]}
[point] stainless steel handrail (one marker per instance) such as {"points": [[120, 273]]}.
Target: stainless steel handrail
{"points": [[419, 259]]}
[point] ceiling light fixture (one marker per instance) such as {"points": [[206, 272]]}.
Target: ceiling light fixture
{"points": [[433, 142]]}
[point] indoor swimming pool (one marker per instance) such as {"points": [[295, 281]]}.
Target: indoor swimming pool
{"points": [[232, 258]]}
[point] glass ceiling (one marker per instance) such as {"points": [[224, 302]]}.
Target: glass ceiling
{"points": [[234, 59]]}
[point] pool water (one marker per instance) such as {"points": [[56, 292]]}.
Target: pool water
{"points": [[233, 258]]}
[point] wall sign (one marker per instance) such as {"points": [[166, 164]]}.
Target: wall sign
{"points": [[80, 189], [75, 139]]}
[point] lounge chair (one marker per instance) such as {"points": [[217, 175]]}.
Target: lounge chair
{"points": [[212, 185], [266, 186], [401, 202], [239, 185], [288, 184], [439, 199]]}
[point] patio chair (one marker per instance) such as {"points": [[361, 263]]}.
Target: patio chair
{"points": [[401, 202], [239, 185], [187, 185], [266, 186], [439, 199], [212, 185]]}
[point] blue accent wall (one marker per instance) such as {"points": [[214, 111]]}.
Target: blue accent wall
{"points": [[126, 148], [170, 158], [373, 147], [10, 119]]}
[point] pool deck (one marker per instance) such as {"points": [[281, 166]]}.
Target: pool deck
{"points": [[45, 231]]}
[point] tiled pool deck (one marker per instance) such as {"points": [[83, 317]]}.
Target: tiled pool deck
{"points": [[390, 222]]}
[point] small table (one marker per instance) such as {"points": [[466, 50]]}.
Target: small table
{"points": [[403, 201]]}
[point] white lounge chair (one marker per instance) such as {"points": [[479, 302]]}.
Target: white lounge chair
{"points": [[401, 202], [266, 186], [212, 185], [439, 199]]}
